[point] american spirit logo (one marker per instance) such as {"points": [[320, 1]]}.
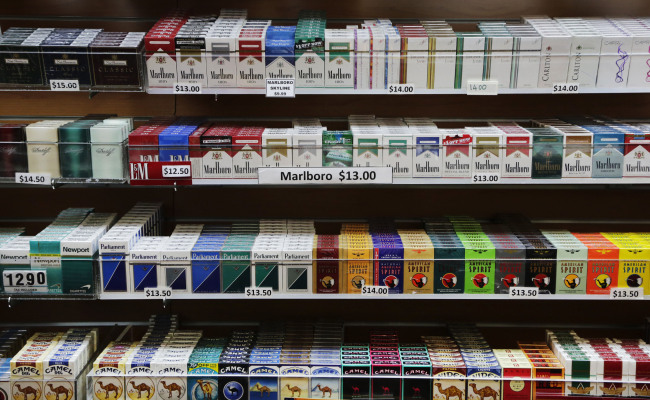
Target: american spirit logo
{"points": [[572, 267]]}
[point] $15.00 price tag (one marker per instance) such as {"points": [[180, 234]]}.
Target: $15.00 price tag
{"points": [[523, 292], [626, 294], [566, 88], [25, 281], [176, 171], [378, 291], [64, 85], [33, 178], [401, 89], [158, 293], [187, 88], [486, 178], [257, 293]]}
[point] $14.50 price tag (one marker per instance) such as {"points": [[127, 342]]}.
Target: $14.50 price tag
{"points": [[187, 88], [566, 88], [380, 291], [25, 281], [523, 292], [626, 294], [33, 178], [486, 178], [281, 88], [401, 89], [158, 293], [176, 171], [64, 85], [257, 293]]}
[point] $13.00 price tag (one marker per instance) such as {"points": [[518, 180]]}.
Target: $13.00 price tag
{"points": [[187, 88], [176, 171], [626, 294], [302, 176], [401, 89], [158, 293], [258, 293], [64, 85], [25, 281], [33, 178], [379, 291], [566, 88], [523, 292], [486, 178]]}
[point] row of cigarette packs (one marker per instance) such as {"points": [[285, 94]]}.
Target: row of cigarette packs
{"points": [[231, 51], [93, 57], [412, 147], [91, 147]]}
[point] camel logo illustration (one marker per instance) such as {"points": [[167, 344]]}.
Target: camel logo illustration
{"points": [[355, 391], [293, 390], [449, 280], [417, 392], [510, 280], [58, 392], [107, 391], [451, 391], [572, 281], [358, 282], [634, 280], [603, 281], [386, 390], [26, 392], [233, 390], [141, 390], [327, 282], [204, 388], [485, 392], [325, 389], [419, 280], [480, 280], [262, 389], [170, 389]]}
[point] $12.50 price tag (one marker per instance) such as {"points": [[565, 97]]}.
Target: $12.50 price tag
{"points": [[403, 88], [158, 293], [25, 281], [257, 293], [176, 171], [64, 85], [486, 178], [33, 178], [523, 292], [379, 291], [626, 294], [566, 88], [187, 88]]}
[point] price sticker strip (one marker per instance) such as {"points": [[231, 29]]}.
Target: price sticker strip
{"points": [[626, 294], [258, 293], [302, 176], [187, 88], [486, 178], [281, 88], [374, 291], [158, 293], [566, 88], [64, 85], [173, 171], [523, 293], [25, 281], [401, 89], [33, 178]]}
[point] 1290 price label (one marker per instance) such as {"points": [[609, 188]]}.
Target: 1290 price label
{"points": [[374, 290], [187, 88], [174, 171], [24, 281], [158, 293], [626, 294], [258, 293], [523, 293]]}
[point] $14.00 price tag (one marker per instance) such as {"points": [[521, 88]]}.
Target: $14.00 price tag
{"points": [[281, 88], [401, 89], [482, 88], [257, 293], [566, 88], [25, 281], [379, 291], [158, 293], [176, 171], [626, 294], [523, 292], [64, 85], [33, 178], [486, 178], [187, 88]]}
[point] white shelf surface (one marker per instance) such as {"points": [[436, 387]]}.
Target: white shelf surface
{"points": [[312, 296], [448, 181]]}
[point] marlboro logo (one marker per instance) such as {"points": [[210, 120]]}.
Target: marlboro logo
{"points": [[310, 60], [161, 60], [639, 155]]}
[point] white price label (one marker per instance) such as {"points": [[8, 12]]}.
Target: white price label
{"points": [[176, 171], [187, 88], [401, 89], [320, 176], [523, 292], [158, 293], [33, 178], [566, 88], [482, 88], [626, 294], [258, 293], [64, 85], [281, 88], [486, 178], [25, 281], [379, 291]]}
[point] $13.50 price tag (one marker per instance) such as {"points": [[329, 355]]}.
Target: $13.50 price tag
{"points": [[257, 293], [33, 178], [25, 281], [64, 85], [523, 292], [401, 89], [158, 293], [187, 88], [379, 291], [566, 88], [626, 294], [176, 171], [486, 178]]}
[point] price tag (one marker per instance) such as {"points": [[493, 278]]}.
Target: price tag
{"points": [[64, 85], [281, 88], [486, 178], [378, 291], [187, 88], [566, 88], [174, 171], [158, 293], [257, 293], [482, 88], [33, 178], [626, 294], [25, 281], [401, 89], [523, 292], [320, 176]]}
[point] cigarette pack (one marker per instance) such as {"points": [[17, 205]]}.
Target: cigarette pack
{"points": [[457, 153]]}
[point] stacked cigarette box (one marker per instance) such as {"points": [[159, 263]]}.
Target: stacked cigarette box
{"points": [[280, 57], [442, 54], [117, 60], [548, 371], [514, 364], [160, 50], [488, 148], [190, 43], [14, 254], [571, 269], [499, 43], [578, 144], [251, 68], [221, 48], [310, 49], [449, 371], [65, 54], [517, 151]]}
